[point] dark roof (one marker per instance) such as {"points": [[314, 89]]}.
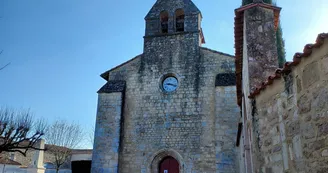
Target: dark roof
{"points": [[214, 51], [48, 147], [106, 74], [82, 151], [8, 161], [188, 6], [307, 51], [113, 86], [239, 36]]}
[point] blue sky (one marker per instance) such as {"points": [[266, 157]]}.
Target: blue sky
{"points": [[58, 49]]}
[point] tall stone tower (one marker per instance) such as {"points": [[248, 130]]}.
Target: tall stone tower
{"points": [[172, 108], [256, 59]]}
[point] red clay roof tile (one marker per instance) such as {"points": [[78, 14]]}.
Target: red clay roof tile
{"points": [[307, 51]]}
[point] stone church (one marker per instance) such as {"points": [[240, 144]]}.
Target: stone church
{"points": [[172, 108], [182, 108]]}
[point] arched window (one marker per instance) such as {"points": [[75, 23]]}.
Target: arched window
{"points": [[179, 20], [164, 21]]}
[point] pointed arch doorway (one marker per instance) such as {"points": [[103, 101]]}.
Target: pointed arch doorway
{"points": [[169, 165]]}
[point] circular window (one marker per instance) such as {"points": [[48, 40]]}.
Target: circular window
{"points": [[170, 84]]}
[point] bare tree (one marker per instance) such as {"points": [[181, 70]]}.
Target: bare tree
{"points": [[62, 137], [91, 135], [2, 67], [19, 132]]}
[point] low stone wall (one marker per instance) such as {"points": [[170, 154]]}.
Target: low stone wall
{"points": [[290, 119], [11, 169], [17, 169], [60, 171]]}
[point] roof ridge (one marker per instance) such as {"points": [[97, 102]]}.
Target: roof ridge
{"points": [[4, 160], [307, 51], [215, 51], [105, 74], [254, 4]]}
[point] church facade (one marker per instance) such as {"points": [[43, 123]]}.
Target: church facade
{"points": [[172, 108], [182, 108]]}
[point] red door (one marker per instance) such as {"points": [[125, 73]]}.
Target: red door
{"points": [[169, 165]]}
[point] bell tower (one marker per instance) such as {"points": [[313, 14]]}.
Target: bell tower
{"points": [[169, 18], [173, 37]]}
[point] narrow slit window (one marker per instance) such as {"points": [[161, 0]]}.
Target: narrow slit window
{"points": [[179, 20], [164, 22]]}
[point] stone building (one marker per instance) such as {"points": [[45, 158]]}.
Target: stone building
{"points": [[290, 110], [284, 125], [173, 107], [181, 108], [39, 161]]}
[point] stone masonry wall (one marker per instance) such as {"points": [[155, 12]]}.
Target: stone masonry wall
{"points": [[291, 119], [260, 60], [184, 123], [261, 46], [105, 157], [226, 123], [192, 23]]}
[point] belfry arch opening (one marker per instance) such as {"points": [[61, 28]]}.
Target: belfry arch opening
{"points": [[168, 165], [164, 17], [179, 20]]}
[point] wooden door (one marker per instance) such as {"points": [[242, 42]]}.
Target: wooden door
{"points": [[169, 165]]}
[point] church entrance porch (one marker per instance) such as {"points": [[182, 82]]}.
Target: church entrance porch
{"points": [[169, 165]]}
